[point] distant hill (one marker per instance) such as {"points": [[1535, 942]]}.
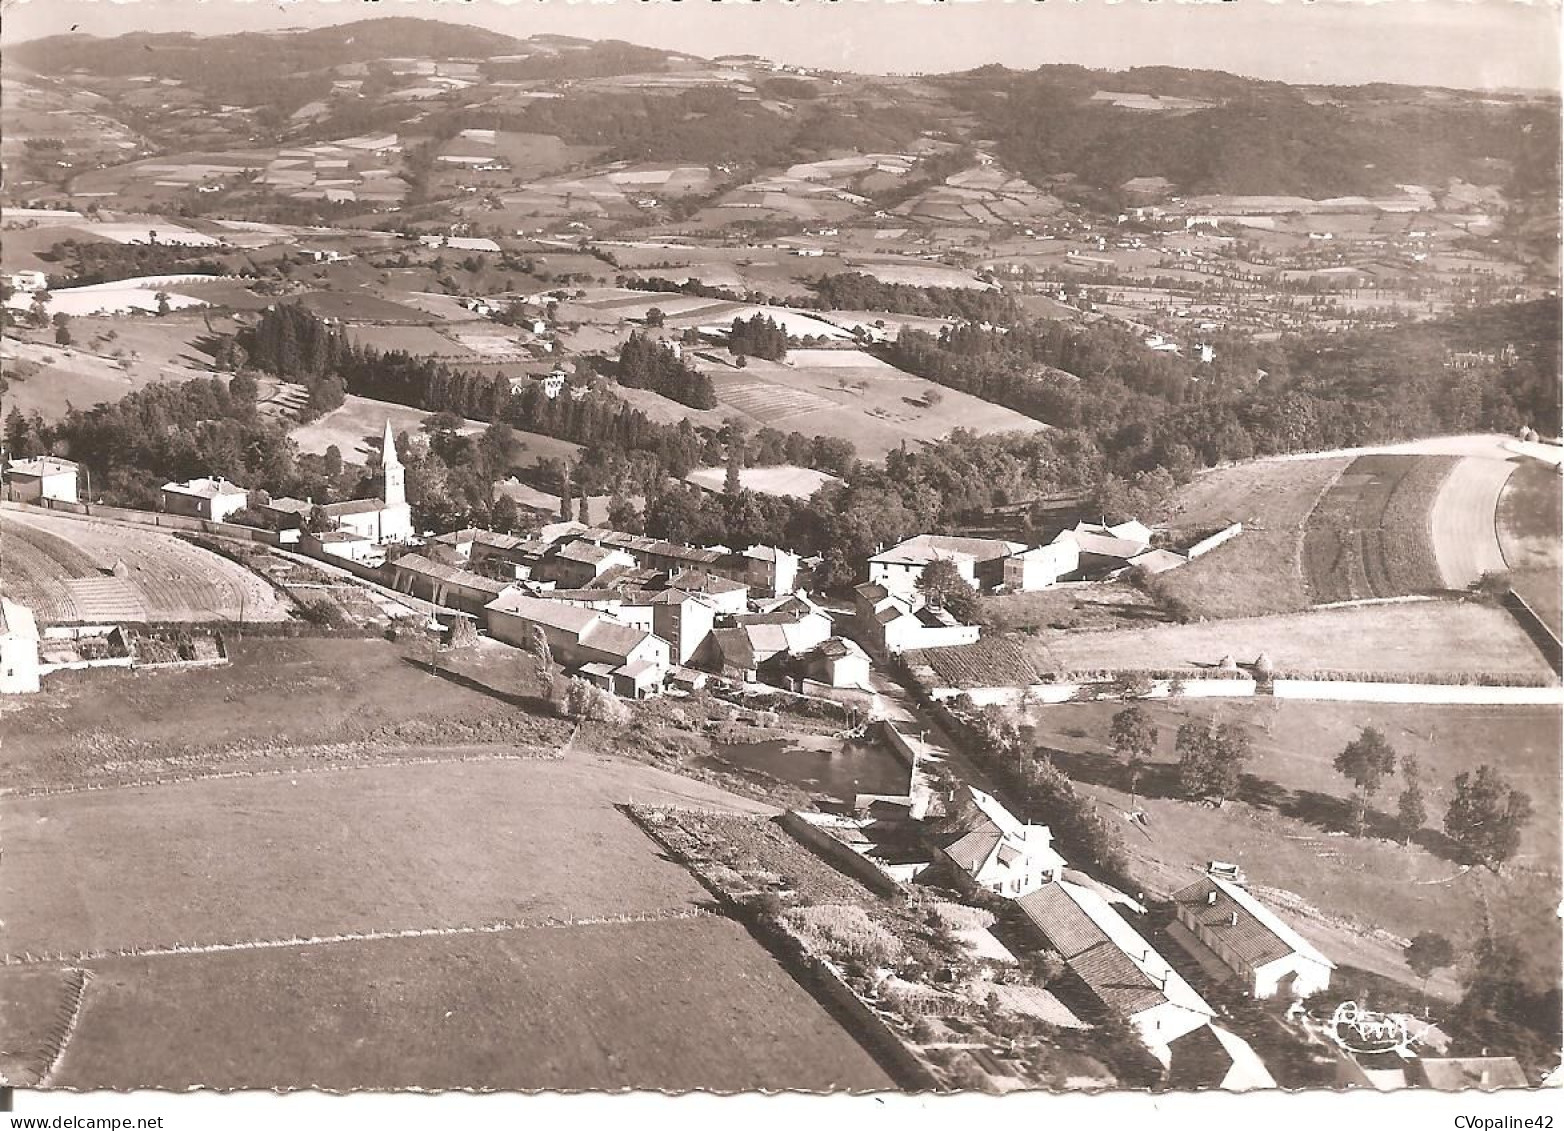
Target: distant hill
{"points": [[189, 57]]}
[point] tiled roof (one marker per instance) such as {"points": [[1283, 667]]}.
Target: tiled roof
{"points": [[1105, 952], [424, 567], [585, 552], [616, 639], [1258, 937], [969, 852], [43, 465], [734, 645], [205, 488], [924, 548], [554, 614], [354, 506]]}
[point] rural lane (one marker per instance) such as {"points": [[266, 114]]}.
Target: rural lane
{"points": [[1466, 540]]}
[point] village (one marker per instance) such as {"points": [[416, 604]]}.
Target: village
{"points": [[539, 563], [1217, 988]]}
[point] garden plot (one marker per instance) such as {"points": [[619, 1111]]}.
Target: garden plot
{"points": [[1371, 534]]}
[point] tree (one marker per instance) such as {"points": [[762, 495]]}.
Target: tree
{"points": [[505, 514], [318, 521], [1365, 761], [1411, 810], [564, 496], [1134, 738], [62, 335], [1211, 759], [622, 515], [1428, 952], [163, 306], [1486, 816], [537, 645], [584, 512], [333, 461], [655, 317]]}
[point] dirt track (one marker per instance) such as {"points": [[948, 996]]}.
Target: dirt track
{"points": [[1466, 541]]}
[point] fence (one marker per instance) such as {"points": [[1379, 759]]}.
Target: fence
{"points": [[838, 855], [152, 518], [1330, 690]]}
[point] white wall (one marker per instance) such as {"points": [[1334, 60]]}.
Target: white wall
{"points": [[1344, 691]]}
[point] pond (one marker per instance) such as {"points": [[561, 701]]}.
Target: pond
{"points": [[829, 766]]}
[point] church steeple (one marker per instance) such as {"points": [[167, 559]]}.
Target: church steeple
{"points": [[393, 487]]}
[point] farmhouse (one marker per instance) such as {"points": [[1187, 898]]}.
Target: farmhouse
{"points": [[29, 282], [442, 584], [989, 849], [981, 561], [1115, 964], [19, 673], [633, 661], [47, 477], [1270, 958], [212, 499]]}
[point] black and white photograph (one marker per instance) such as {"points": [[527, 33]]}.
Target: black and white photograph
{"points": [[787, 547]]}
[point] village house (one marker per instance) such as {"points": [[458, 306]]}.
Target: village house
{"points": [[990, 850], [211, 499], [767, 570], [1115, 964], [631, 662], [19, 670], [1215, 916], [29, 282], [46, 477], [838, 662], [340, 544], [577, 563], [892, 623], [980, 561], [1042, 566], [684, 620], [785, 627]]}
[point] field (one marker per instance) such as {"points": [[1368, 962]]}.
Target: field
{"points": [[1371, 534], [356, 429], [1529, 531], [1100, 604], [49, 379], [224, 860], [1287, 828], [792, 482], [274, 696], [857, 397], [994, 661], [1439, 638], [58, 567], [1260, 571], [608, 1006]]}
